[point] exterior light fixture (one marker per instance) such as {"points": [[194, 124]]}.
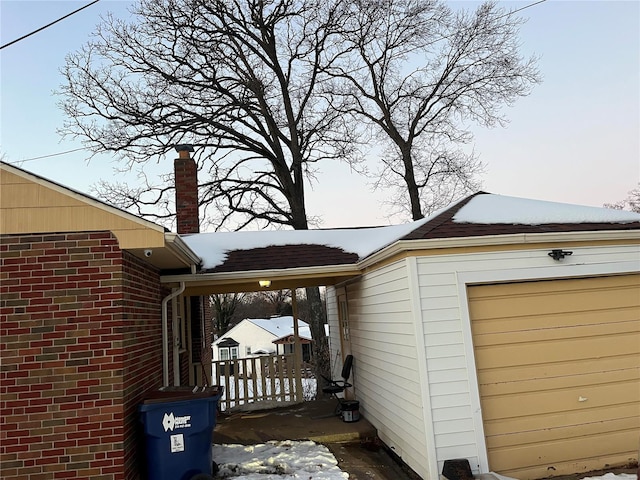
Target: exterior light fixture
{"points": [[264, 283], [559, 254]]}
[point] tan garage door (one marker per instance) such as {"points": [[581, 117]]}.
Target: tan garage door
{"points": [[559, 373]]}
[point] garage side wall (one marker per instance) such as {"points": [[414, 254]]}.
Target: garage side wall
{"points": [[386, 374], [453, 389]]}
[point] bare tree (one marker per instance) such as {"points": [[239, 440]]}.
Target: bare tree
{"points": [[267, 89], [224, 306], [416, 71], [237, 79], [631, 203]]}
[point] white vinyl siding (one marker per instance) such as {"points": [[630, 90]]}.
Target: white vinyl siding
{"points": [[383, 342], [455, 405], [335, 352]]}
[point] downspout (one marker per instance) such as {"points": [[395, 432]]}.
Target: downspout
{"points": [[165, 333]]}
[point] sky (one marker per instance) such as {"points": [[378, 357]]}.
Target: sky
{"points": [[574, 139]]}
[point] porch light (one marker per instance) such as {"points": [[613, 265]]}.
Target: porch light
{"points": [[264, 283]]}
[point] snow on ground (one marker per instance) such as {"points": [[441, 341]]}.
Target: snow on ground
{"points": [[303, 460], [607, 476], [612, 476]]}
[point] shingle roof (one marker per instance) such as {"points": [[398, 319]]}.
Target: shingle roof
{"points": [[284, 256], [441, 226]]}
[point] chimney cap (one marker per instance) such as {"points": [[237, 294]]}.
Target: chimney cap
{"points": [[185, 147]]}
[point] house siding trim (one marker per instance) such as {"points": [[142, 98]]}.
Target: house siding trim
{"points": [[466, 279], [495, 243], [423, 371]]}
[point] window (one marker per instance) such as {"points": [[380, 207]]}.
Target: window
{"points": [[227, 353], [223, 353], [248, 351]]}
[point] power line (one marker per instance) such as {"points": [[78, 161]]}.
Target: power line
{"points": [[527, 6], [47, 156], [47, 26]]}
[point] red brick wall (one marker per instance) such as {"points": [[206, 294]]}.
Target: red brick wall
{"points": [[186, 183], [142, 349], [80, 327]]}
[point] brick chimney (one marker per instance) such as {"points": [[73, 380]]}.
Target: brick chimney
{"points": [[186, 178]]}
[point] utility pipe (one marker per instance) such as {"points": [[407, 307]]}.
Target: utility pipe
{"points": [[165, 333]]}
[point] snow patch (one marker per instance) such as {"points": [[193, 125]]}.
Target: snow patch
{"points": [[277, 459], [488, 209], [213, 247]]}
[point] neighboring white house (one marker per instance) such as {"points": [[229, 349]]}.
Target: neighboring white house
{"points": [[261, 336]]}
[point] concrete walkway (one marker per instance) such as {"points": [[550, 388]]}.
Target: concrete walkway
{"points": [[354, 444]]}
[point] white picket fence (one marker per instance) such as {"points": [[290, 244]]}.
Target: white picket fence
{"points": [[263, 382]]}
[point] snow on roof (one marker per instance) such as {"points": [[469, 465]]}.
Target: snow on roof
{"points": [[282, 326], [213, 247], [492, 209]]}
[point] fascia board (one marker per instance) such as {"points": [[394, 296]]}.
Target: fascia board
{"points": [[181, 249], [633, 236], [272, 274]]}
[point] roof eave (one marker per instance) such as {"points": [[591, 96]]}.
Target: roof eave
{"points": [[247, 281], [401, 246], [181, 249]]}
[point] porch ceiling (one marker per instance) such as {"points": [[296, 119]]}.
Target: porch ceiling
{"points": [[247, 281]]}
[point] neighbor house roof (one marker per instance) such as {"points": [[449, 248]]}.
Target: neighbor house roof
{"points": [[281, 326], [278, 327]]}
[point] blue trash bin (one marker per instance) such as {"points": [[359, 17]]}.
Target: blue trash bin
{"points": [[178, 425]]}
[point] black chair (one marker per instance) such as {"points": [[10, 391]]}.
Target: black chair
{"points": [[334, 387]]}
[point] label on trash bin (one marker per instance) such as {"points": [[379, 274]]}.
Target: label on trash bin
{"points": [[177, 443], [171, 422]]}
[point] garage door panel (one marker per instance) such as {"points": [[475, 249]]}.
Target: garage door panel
{"points": [[531, 321], [545, 301], [493, 376], [580, 327], [502, 429], [569, 467], [554, 453], [572, 381], [558, 366], [553, 351], [559, 400]]}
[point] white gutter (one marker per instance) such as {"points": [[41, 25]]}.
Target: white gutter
{"points": [[271, 274], [402, 246], [182, 250], [165, 335]]}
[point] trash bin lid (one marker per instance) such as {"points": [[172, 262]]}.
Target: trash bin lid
{"points": [[181, 393]]}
